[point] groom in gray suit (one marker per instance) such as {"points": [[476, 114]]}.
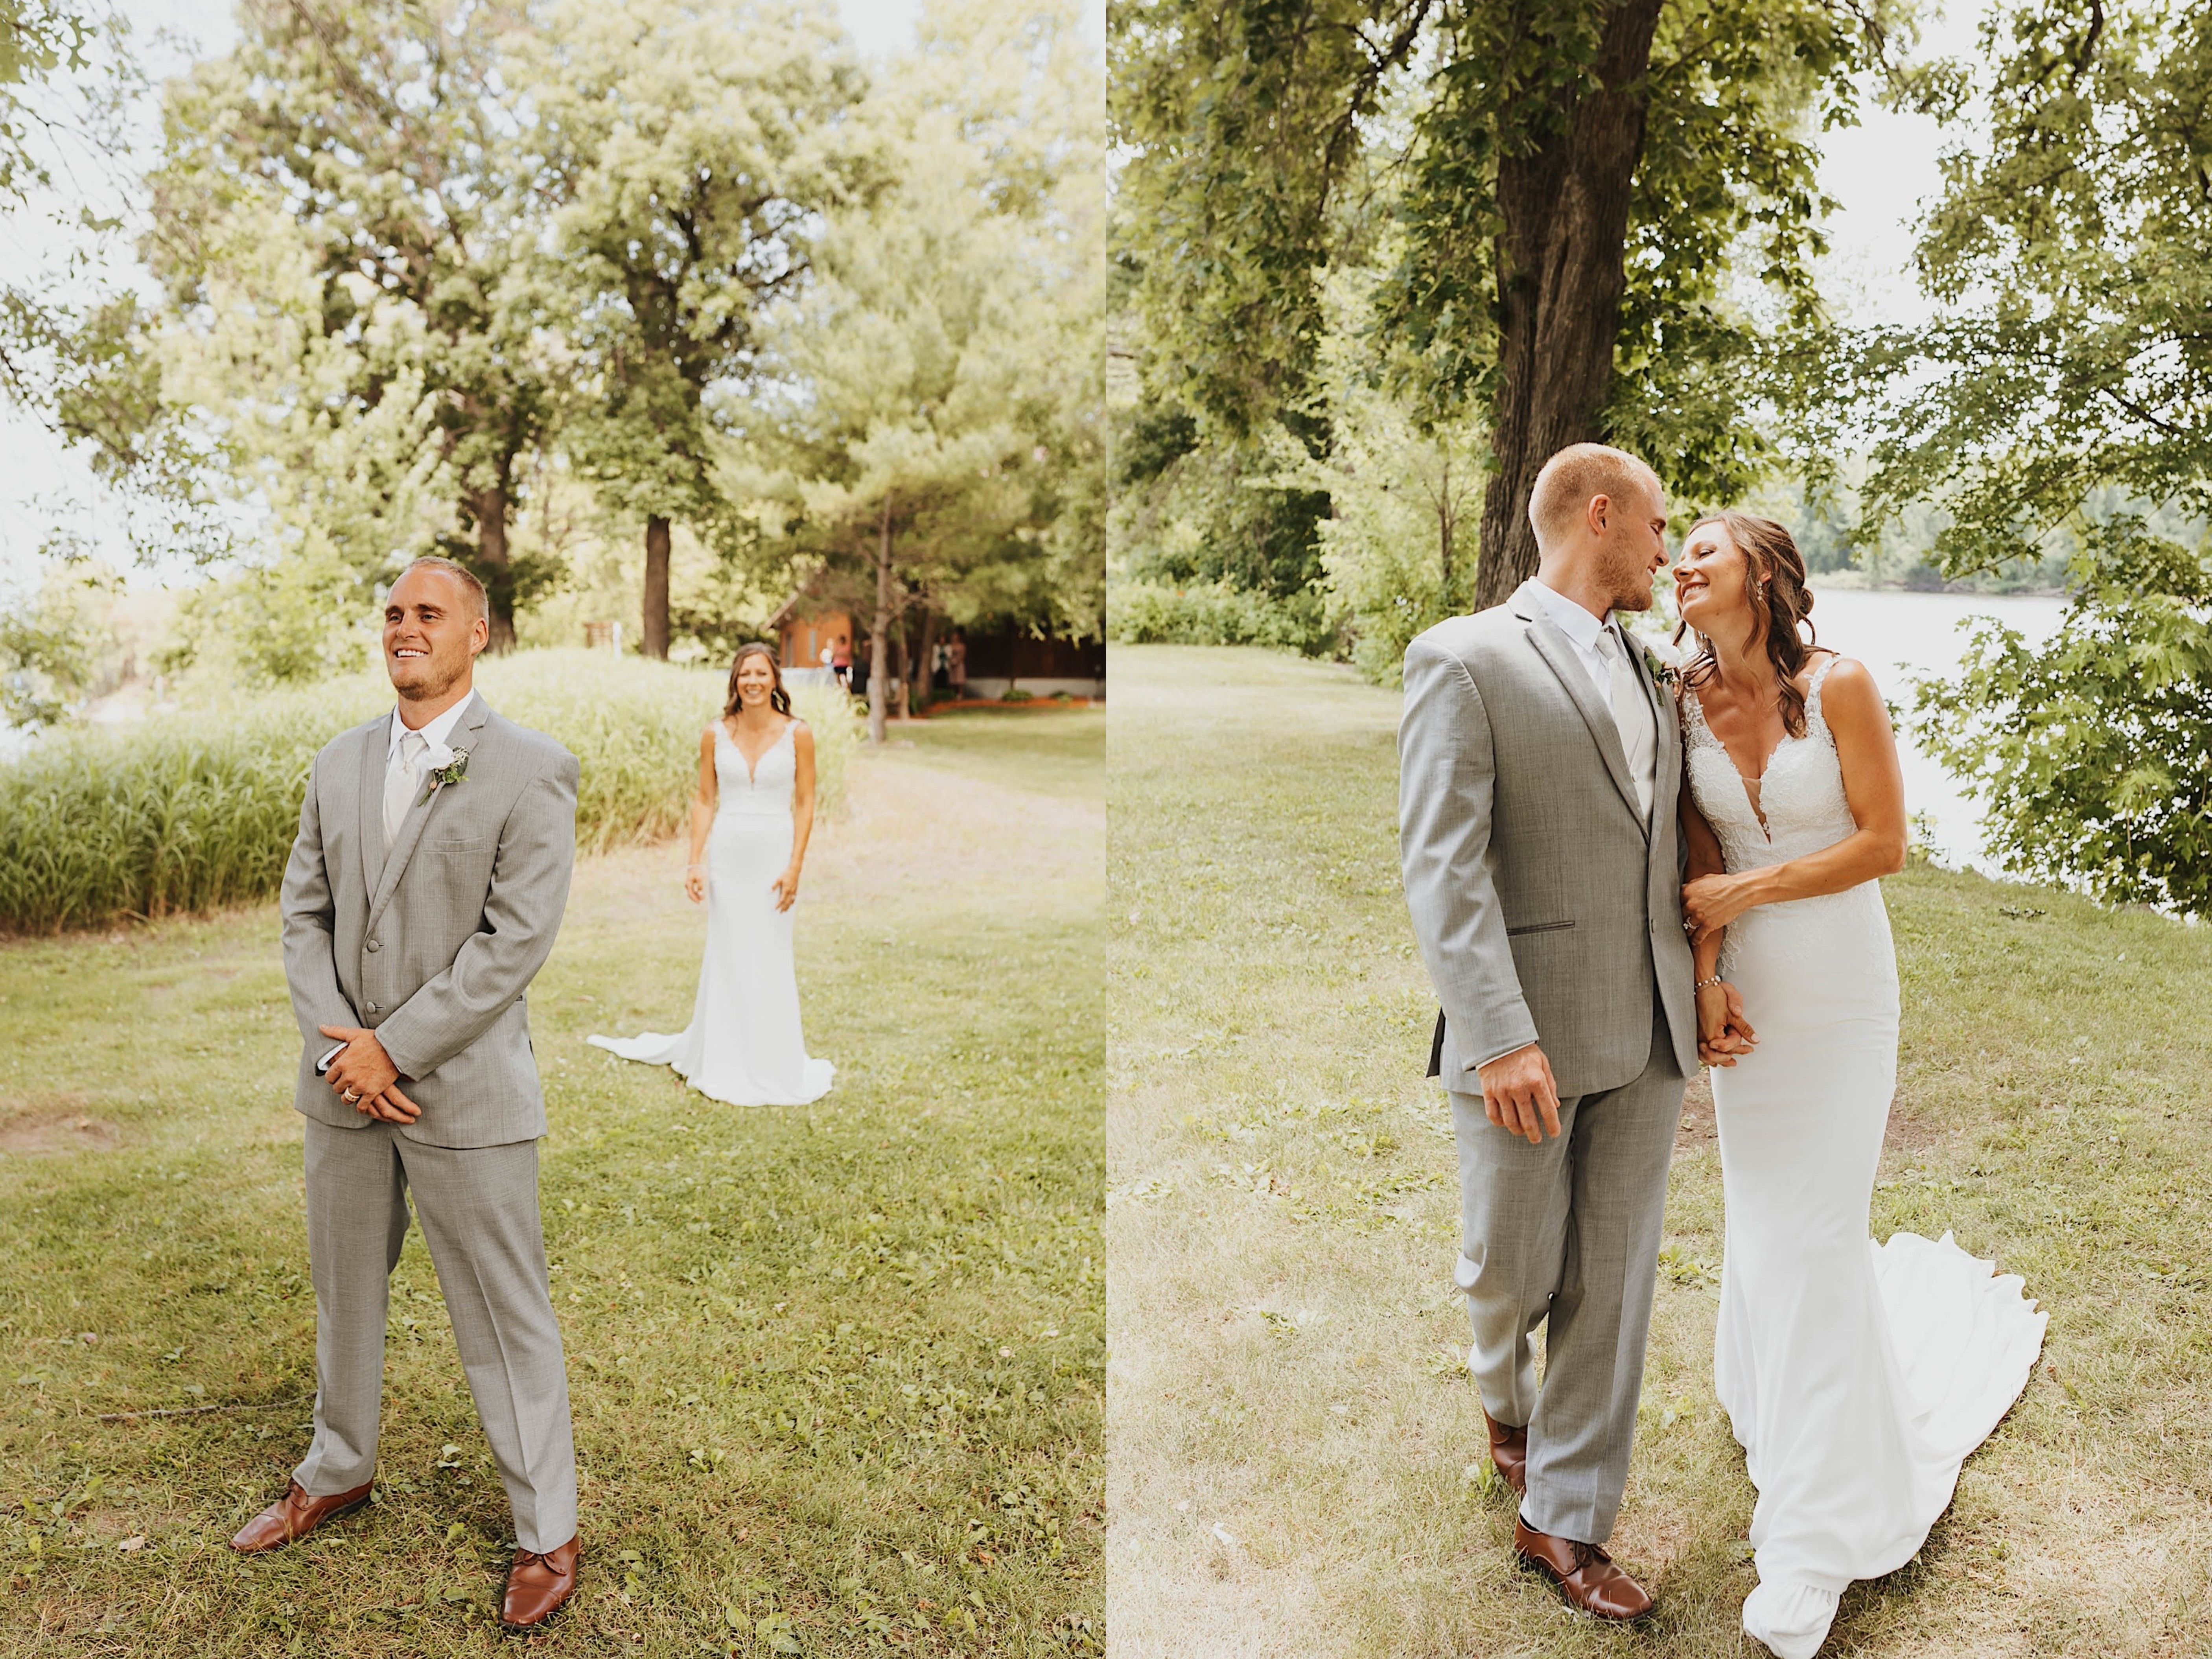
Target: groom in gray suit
{"points": [[424, 893], [1539, 768]]}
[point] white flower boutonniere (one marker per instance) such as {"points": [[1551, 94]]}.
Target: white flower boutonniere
{"points": [[1662, 671], [455, 770]]}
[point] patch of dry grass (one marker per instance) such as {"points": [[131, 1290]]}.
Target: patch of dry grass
{"points": [[1296, 1459]]}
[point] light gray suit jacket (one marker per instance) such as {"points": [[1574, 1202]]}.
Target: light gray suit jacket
{"points": [[433, 947], [1546, 910]]}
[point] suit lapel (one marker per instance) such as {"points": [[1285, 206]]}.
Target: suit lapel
{"points": [[1668, 763], [464, 736], [375, 743], [1558, 653]]}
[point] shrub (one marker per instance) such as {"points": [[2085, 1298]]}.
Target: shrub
{"points": [[1152, 613], [198, 809]]}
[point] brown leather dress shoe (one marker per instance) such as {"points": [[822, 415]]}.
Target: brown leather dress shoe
{"points": [[1585, 1573], [1509, 1453], [536, 1585], [293, 1516]]}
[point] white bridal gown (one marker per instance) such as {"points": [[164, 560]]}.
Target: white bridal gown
{"points": [[744, 1045], [1856, 1377]]}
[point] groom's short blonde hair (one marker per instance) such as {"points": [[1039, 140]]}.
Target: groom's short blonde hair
{"points": [[472, 585], [1564, 488]]}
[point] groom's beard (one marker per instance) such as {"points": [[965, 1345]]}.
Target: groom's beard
{"points": [[1628, 583], [427, 678]]}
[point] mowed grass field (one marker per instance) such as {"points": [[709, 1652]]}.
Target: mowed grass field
{"points": [[837, 1370], [1297, 1458]]}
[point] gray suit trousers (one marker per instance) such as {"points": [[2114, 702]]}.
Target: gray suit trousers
{"points": [[478, 1207], [1566, 1234]]}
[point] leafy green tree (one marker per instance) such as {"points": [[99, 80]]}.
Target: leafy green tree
{"points": [[692, 147], [2062, 404], [937, 388], [1570, 182], [51, 646], [40, 40], [1398, 547], [343, 194]]}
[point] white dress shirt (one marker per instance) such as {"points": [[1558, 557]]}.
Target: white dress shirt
{"points": [[1612, 664], [406, 763], [439, 729]]}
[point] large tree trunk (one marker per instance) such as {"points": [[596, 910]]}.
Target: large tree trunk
{"points": [[489, 508], [1565, 203], [918, 694], [902, 665], [879, 635], [655, 632]]}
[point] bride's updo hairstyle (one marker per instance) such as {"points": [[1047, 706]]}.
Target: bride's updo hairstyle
{"points": [[778, 698], [1774, 579]]}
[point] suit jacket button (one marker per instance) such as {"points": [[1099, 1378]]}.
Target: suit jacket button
{"points": [[372, 1007], [375, 945]]}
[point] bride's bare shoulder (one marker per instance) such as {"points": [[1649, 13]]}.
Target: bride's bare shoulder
{"points": [[1848, 687]]}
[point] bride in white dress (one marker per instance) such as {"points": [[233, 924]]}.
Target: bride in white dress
{"points": [[744, 1045], [1856, 1377]]}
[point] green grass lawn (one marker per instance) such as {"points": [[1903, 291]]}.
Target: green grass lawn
{"points": [[1054, 748], [837, 1370], [1296, 1453]]}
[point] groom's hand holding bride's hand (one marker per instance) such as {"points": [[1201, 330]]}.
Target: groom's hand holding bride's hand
{"points": [[1723, 1033], [362, 1075], [1520, 1095]]}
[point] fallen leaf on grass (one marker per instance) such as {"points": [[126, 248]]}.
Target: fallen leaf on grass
{"points": [[132, 1545]]}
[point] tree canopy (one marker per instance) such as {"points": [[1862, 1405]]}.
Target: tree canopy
{"points": [[2061, 404], [1558, 193], [511, 281], [936, 439]]}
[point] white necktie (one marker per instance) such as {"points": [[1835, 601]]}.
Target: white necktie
{"points": [[1631, 715], [400, 779]]}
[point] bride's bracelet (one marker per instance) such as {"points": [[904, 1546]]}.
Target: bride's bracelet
{"points": [[1702, 983], [690, 867]]}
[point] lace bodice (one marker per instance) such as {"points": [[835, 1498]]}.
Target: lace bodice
{"points": [[1800, 792], [763, 788]]}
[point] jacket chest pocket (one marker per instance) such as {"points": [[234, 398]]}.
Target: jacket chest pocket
{"points": [[1539, 927]]}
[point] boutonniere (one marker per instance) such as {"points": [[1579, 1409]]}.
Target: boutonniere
{"points": [[1662, 671], [455, 770]]}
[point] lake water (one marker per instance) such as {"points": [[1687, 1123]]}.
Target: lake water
{"points": [[1897, 635]]}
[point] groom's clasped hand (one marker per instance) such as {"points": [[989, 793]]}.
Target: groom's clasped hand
{"points": [[363, 1076]]}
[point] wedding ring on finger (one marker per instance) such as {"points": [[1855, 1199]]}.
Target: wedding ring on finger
{"points": [[350, 1097]]}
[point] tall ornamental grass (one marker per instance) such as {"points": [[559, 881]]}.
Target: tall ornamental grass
{"points": [[195, 810]]}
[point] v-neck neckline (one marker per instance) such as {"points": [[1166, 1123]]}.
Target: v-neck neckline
{"points": [[752, 761], [1744, 780]]}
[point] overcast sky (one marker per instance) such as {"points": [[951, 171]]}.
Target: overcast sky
{"points": [[1879, 172]]}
